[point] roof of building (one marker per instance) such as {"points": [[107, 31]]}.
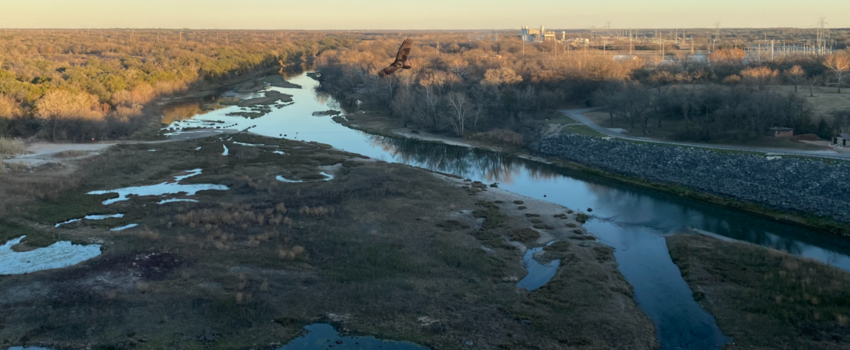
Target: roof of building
{"points": [[844, 135], [775, 128]]}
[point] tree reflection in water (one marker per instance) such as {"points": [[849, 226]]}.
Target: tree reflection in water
{"points": [[624, 205]]}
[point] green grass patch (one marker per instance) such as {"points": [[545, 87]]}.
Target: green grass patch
{"points": [[469, 259], [584, 130], [365, 263], [493, 217]]}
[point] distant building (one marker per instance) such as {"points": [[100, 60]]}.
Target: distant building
{"points": [[782, 132], [841, 140], [537, 35], [620, 58]]}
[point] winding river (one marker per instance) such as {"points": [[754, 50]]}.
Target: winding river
{"points": [[631, 219]]}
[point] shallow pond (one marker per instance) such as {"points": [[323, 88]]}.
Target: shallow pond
{"points": [[631, 219], [55, 256], [161, 189], [538, 273], [90, 217], [324, 336], [125, 227]]}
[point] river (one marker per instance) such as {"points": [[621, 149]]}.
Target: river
{"points": [[630, 219]]}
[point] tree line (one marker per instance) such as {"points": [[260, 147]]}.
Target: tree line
{"points": [[734, 100], [83, 84], [466, 86], [475, 86]]}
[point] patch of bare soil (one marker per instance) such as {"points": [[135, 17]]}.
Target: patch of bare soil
{"points": [[377, 123], [763, 298], [279, 81], [381, 249]]}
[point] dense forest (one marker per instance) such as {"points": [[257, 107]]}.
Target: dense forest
{"points": [[464, 86], [469, 86], [80, 84]]}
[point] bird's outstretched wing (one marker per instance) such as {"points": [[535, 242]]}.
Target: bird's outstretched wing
{"points": [[404, 50], [387, 71], [400, 59]]}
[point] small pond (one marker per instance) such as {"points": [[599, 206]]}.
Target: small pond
{"points": [[324, 336], [55, 256]]}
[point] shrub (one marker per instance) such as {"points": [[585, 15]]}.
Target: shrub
{"points": [[582, 217], [10, 146], [502, 136], [732, 79], [8, 107]]}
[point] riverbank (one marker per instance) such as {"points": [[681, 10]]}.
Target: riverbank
{"points": [[577, 159], [211, 270], [763, 298], [153, 112], [803, 191]]}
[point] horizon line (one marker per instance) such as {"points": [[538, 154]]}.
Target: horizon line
{"points": [[395, 29]]}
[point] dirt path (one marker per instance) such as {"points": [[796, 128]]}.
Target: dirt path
{"points": [[576, 114], [41, 153]]}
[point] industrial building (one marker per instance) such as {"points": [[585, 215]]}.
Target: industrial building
{"points": [[538, 35]]}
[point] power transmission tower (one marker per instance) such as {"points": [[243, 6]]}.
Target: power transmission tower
{"points": [[716, 34], [821, 33]]}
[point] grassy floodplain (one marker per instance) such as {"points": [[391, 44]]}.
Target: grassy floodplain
{"points": [[381, 249]]}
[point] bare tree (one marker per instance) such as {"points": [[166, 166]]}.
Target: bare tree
{"points": [[461, 110], [796, 75], [841, 120], [501, 76], [839, 65], [608, 98], [458, 67], [760, 77], [696, 76], [427, 109], [811, 82]]}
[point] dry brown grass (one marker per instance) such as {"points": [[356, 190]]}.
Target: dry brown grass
{"points": [[143, 287], [10, 146], [234, 215], [15, 167], [766, 298], [148, 234], [293, 253], [70, 154], [315, 211], [502, 136]]}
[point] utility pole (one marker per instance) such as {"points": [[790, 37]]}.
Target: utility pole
{"points": [[692, 44], [820, 35], [716, 34], [630, 42]]}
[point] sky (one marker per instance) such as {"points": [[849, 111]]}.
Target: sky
{"points": [[420, 14]]}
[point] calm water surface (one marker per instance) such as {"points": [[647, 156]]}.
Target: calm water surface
{"points": [[324, 336], [630, 219]]}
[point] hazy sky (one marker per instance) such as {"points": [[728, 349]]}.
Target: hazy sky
{"points": [[418, 14]]}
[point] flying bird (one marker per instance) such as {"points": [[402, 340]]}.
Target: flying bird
{"points": [[400, 59]]}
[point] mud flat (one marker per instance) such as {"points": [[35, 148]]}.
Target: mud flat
{"points": [[280, 81], [377, 249]]}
